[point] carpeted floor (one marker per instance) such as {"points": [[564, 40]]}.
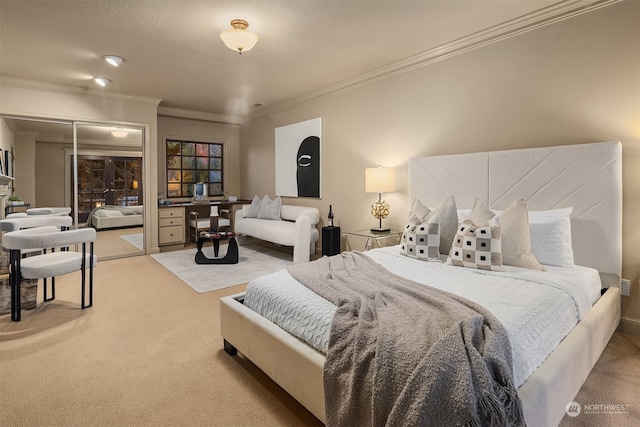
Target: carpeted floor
{"points": [[149, 353]]}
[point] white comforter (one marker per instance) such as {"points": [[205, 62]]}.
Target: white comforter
{"points": [[538, 309]]}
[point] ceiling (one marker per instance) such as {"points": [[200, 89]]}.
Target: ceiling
{"points": [[173, 51]]}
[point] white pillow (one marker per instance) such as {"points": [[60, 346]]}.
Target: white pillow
{"points": [[103, 213], [551, 237], [418, 210], [550, 234], [270, 209], [254, 207]]}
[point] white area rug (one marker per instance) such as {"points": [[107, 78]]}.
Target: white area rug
{"points": [[135, 239], [253, 261]]}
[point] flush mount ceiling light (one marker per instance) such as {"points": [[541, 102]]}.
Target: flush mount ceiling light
{"points": [[239, 39], [102, 81], [119, 133], [114, 60]]}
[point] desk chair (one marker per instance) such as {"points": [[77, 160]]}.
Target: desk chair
{"points": [[216, 221], [50, 263]]}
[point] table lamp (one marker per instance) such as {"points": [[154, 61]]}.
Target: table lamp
{"points": [[380, 180]]}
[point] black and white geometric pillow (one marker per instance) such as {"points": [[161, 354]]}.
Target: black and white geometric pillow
{"points": [[421, 241], [477, 247]]}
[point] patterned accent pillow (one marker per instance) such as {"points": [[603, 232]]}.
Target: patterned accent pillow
{"points": [[421, 241], [477, 247]]}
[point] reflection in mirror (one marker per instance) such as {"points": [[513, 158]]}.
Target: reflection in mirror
{"points": [[109, 184], [110, 174]]}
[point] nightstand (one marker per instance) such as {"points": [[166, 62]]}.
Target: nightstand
{"points": [[330, 241], [372, 240]]}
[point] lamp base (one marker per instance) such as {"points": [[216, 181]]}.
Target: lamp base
{"points": [[381, 230]]}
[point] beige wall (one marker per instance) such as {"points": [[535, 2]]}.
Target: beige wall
{"points": [[199, 130], [575, 81]]}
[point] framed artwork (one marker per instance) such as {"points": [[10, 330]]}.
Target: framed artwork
{"points": [[8, 162], [298, 159]]}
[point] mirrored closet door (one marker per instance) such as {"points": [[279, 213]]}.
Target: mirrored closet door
{"points": [[94, 168]]}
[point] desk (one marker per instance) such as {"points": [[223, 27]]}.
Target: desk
{"points": [[203, 211], [373, 239]]}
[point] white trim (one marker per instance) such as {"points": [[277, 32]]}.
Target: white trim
{"points": [[199, 115], [62, 89], [532, 21]]}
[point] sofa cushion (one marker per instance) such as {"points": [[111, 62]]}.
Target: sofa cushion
{"points": [[270, 209], [253, 208]]}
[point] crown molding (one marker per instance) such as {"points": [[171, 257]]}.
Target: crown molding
{"points": [[199, 115], [529, 22], [66, 90]]}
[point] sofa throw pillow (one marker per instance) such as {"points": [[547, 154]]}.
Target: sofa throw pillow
{"points": [[421, 240], [254, 207], [270, 209], [477, 246]]}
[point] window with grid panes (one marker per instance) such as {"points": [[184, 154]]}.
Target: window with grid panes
{"points": [[190, 162]]}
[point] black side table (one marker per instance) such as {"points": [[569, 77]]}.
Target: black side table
{"points": [[330, 241]]}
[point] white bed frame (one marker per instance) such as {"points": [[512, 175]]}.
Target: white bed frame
{"points": [[587, 177]]}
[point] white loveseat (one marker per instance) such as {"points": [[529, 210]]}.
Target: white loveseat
{"points": [[296, 227]]}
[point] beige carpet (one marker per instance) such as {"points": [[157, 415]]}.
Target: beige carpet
{"points": [[149, 353]]}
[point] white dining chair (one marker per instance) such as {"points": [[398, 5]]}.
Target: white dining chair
{"points": [[55, 260]]}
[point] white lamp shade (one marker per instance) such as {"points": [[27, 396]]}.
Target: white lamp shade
{"points": [[239, 40], [380, 180]]}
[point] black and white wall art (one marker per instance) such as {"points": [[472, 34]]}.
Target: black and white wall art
{"points": [[298, 162]]}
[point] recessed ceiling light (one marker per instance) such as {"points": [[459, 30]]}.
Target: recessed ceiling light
{"points": [[102, 81], [114, 60]]}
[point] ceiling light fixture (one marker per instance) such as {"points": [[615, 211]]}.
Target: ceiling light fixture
{"points": [[119, 133], [102, 81], [114, 60], [239, 39]]}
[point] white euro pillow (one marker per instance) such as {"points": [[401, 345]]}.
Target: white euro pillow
{"points": [[551, 237]]}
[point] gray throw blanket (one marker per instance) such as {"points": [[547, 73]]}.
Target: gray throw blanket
{"points": [[404, 354]]}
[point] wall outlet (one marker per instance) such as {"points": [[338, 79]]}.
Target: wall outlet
{"points": [[625, 287]]}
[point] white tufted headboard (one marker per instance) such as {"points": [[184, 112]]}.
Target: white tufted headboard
{"points": [[587, 177]]}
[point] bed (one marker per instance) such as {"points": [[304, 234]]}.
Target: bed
{"points": [[585, 178], [107, 217]]}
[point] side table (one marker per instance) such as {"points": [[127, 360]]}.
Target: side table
{"points": [[373, 239], [330, 241]]}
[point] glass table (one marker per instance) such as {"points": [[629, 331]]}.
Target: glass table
{"points": [[372, 239]]}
